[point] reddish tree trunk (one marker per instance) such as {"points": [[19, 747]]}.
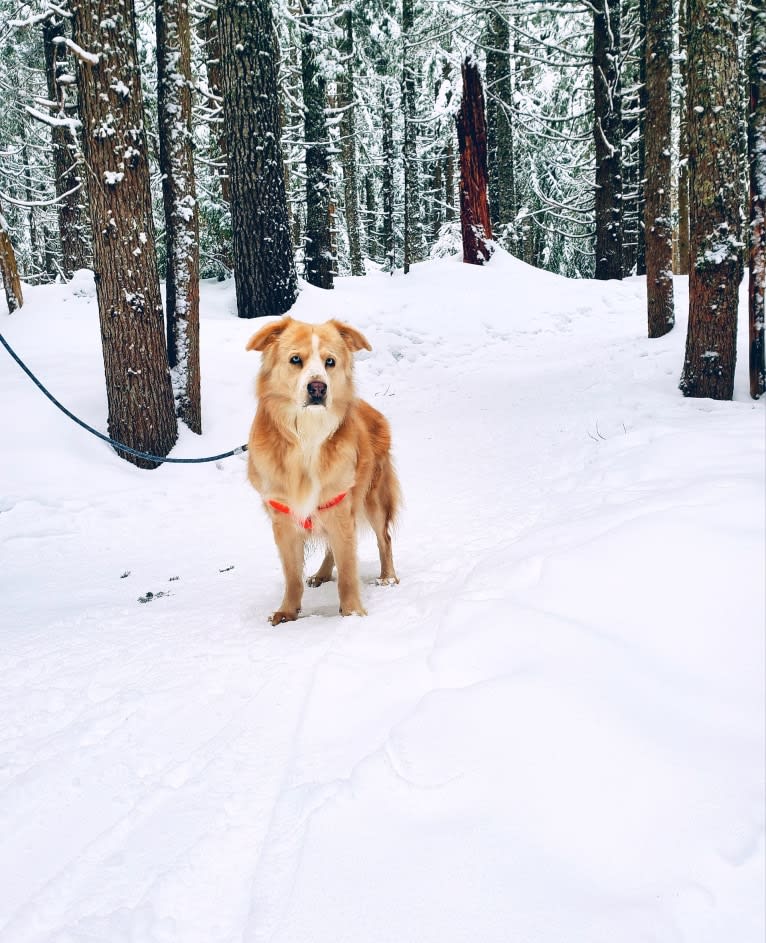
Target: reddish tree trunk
{"points": [[8, 269], [472, 141]]}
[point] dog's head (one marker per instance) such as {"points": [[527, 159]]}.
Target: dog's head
{"points": [[307, 366]]}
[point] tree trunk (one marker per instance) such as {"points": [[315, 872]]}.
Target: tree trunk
{"points": [[207, 29], [371, 217], [642, 95], [608, 138], [414, 248], [174, 84], [139, 391], [472, 142], [387, 185], [658, 224], [449, 181], [757, 162], [499, 122], [318, 255], [8, 268], [682, 248], [264, 269], [68, 180], [715, 237], [347, 104]]}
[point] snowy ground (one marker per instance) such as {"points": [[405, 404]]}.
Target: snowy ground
{"points": [[552, 731]]}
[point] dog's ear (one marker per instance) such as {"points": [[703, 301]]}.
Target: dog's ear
{"points": [[268, 334], [354, 339]]}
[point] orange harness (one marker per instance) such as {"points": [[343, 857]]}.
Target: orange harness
{"points": [[307, 523]]}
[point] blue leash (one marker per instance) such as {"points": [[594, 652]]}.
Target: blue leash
{"points": [[121, 447]]}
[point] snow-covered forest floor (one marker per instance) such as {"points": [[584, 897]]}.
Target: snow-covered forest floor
{"points": [[551, 731]]}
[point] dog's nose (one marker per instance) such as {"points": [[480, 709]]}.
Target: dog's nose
{"points": [[317, 389]]}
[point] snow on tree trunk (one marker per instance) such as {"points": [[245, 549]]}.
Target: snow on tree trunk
{"points": [[318, 253], [714, 200], [499, 123], [207, 31], [658, 224], [607, 133], [139, 391], [174, 84], [414, 247], [387, 182], [682, 246], [757, 162], [68, 176], [347, 105], [641, 129], [472, 143], [264, 269], [8, 269]]}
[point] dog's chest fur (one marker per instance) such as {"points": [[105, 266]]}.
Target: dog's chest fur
{"points": [[314, 426]]}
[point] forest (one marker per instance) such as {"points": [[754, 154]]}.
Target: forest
{"points": [[546, 219], [318, 138]]}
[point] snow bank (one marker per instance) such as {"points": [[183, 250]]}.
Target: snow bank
{"points": [[552, 730]]}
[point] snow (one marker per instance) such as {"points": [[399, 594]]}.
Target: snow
{"points": [[552, 729]]}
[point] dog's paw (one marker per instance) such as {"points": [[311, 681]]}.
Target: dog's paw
{"points": [[281, 616], [353, 611], [387, 581], [317, 580]]}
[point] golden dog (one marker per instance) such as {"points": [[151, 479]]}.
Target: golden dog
{"points": [[320, 457]]}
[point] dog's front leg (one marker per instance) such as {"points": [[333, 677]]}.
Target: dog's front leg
{"points": [[290, 543], [341, 533]]}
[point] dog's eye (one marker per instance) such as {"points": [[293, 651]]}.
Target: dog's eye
{"points": [[330, 362], [296, 360]]}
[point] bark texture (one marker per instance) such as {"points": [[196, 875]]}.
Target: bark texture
{"points": [[499, 123], [139, 392], [264, 270], [174, 84], [682, 246], [715, 237], [68, 176], [318, 254], [607, 133], [472, 142], [8, 269], [757, 164], [658, 225]]}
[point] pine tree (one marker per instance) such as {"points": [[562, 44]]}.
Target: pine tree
{"points": [[682, 239], [414, 249], [68, 177], [139, 392], [658, 222], [318, 254], [714, 200], [264, 269], [608, 137], [499, 122], [348, 145], [757, 163], [387, 184], [179, 192]]}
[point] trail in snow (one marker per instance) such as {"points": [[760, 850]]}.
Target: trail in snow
{"points": [[551, 729]]}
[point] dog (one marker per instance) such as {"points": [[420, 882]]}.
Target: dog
{"points": [[320, 458]]}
